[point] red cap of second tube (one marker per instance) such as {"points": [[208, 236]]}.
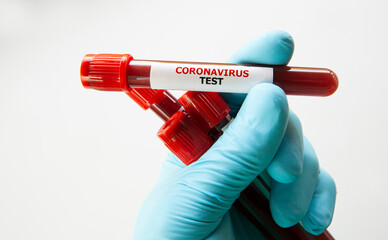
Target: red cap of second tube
{"points": [[187, 136], [145, 97], [206, 108], [180, 134]]}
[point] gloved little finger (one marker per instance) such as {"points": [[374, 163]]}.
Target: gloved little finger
{"points": [[321, 209]]}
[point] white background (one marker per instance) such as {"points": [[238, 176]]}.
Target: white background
{"points": [[77, 163]]}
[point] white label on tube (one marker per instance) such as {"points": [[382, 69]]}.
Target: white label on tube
{"points": [[208, 77]]}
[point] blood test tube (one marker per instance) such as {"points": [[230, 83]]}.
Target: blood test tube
{"points": [[120, 72]]}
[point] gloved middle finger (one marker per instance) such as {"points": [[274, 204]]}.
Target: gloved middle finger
{"points": [[288, 162]]}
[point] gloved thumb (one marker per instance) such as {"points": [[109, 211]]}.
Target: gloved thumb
{"points": [[244, 150]]}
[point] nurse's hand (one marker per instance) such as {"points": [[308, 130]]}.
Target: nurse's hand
{"points": [[196, 201]]}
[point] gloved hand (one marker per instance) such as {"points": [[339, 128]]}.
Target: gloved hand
{"points": [[195, 202]]}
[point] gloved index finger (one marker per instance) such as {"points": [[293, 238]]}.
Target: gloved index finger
{"points": [[272, 48]]}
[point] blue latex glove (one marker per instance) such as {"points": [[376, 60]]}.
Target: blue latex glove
{"points": [[195, 202]]}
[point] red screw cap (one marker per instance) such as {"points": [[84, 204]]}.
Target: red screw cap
{"points": [[106, 72], [206, 108], [183, 138], [145, 97]]}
